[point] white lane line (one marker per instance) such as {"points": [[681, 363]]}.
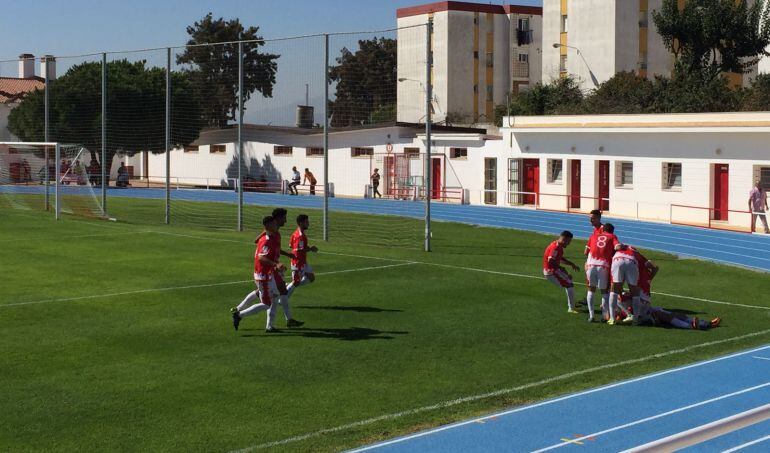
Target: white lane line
{"points": [[86, 235], [760, 358], [748, 444], [175, 288], [653, 417], [509, 390]]}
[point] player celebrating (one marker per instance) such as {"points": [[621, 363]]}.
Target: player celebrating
{"points": [[301, 272], [279, 214], [265, 266], [555, 273], [601, 248], [625, 270]]}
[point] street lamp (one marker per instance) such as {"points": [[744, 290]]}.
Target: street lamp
{"points": [[591, 73], [406, 79]]}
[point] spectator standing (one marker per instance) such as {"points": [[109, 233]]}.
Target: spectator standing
{"points": [[309, 177], [758, 206], [376, 183]]}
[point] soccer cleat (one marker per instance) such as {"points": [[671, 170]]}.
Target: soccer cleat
{"points": [[236, 319], [715, 322], [271, 330], [590, 319], [294, 323], [572, 311], [628, 319], [610, 322]]}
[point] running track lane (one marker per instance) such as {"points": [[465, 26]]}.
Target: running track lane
{"points": [[617, 416], [727, 247]]}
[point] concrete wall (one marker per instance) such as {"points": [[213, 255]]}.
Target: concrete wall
{"points": [[411, 65], [551, 27]]}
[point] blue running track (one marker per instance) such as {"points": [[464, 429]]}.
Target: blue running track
{"points": [[619, 416]]}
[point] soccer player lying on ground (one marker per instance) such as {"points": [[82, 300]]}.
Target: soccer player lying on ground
{"points": [[279, 214], [265, 266], [301, 272], [658, 316], [554, 273], [601, 247]]}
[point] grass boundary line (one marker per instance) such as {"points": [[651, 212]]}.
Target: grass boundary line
{"points": [[500, 392], [173, 288]]}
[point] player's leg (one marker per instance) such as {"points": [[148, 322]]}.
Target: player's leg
{"points": [[565, 281], [272, 292], [264, 305], [248, 300], [593, 280], [617, 288], [284, 294]]}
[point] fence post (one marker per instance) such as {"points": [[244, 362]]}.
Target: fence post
{"points": [[240, 136], [168, 135], [326, 139], [104, 134], [428, 162], [46, 135]]}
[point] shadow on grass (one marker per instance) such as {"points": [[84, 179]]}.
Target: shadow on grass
{"points": [[359, 309], [348, 334]]}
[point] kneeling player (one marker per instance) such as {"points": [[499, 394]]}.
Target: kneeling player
{"points": [[265, 266], [301, 272], [555, 273]]}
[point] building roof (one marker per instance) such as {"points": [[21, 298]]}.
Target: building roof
{"points": [[13, 89], [318, 131], [467, 7]]}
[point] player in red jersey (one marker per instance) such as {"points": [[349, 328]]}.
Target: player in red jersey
{"points": [[625, 270], [283, 298], [266, 266], [301, 272], [595, 217], [555, 273], [601, 247]]}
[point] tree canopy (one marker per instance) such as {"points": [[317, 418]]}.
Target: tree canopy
{"points": [[365, 84], [213, 69]]}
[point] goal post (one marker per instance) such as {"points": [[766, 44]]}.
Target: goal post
{"points": [[45, 175]]}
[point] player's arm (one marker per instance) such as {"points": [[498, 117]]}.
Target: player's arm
{"points": [[587, 249], [653, 268], [266, 260], [288, 254], [571, 264]]}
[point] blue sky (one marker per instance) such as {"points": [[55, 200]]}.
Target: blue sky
{"points": [[85, 26]]}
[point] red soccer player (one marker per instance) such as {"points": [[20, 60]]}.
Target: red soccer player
{"points": [[266, 266], [301, 272], [625, 270], [555, 273], [283, 291], [601, 247]]}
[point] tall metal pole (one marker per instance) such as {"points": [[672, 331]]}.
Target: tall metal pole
{"points": [[56, 190], [168, 135], [326, 138], [240, 136], [46, 136], [428, 160], [104, 134]]}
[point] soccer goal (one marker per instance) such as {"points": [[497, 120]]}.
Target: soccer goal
{"points": [[55, 177]]}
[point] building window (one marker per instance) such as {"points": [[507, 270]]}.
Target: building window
{"points": [[672, 175], [475, 89], [762, 174], [412, 153], [643, 21], [523, 57], [314, 152], [642, 60], [490, 93], [458, 153], [555, 171], [563, 64], [191, 149], [283, 150], [475, 54], [514, 181], [624, 174], [564, 23], [490, 59], [476, 20], [217, 149], [359, 151], [524, 24]]}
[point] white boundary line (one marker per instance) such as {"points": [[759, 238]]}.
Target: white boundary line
{"points": [[92, 235], [174, 288], [652, 417], [505, 391], [760, 358], [748, 444]]}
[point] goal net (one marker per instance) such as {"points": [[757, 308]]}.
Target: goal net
{"points": [[53, 177]]}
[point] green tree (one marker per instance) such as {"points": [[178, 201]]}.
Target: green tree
{"points": [[625, 92], [213, 69], [714, 36], [135, 110], [365, 84], [757, 97], [693, 93], [560, 97]]}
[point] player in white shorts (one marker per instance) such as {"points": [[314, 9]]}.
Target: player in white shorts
{"points": [[601, 247], [625, 271]]}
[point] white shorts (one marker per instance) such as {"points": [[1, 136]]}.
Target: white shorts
{"points": [[559, 278], [268, 291], [298, 273], [625, 271], [598, 276]]}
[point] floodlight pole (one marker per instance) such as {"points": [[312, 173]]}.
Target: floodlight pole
{"points": [[104, 135], [428, 160], [46, 137], [326, 139], [168, 135], [240, 136]]}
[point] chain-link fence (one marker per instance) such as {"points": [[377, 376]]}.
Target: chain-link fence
{"points": [[215, 135]]}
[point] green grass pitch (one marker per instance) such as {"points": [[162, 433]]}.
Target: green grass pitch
{"points": [[117, 336]]}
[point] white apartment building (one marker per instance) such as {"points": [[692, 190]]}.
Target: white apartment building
{"points": [[481, 53]]}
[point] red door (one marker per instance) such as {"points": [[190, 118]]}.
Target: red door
{"points": [[721, 179], [531, 180], [604, 185], [435, 179], [574, 201]]}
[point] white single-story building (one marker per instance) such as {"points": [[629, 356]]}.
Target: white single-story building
{"points": [[680, 168]]}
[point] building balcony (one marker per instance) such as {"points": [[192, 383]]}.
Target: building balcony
{"points": [[524, 37], [520, 70]]}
